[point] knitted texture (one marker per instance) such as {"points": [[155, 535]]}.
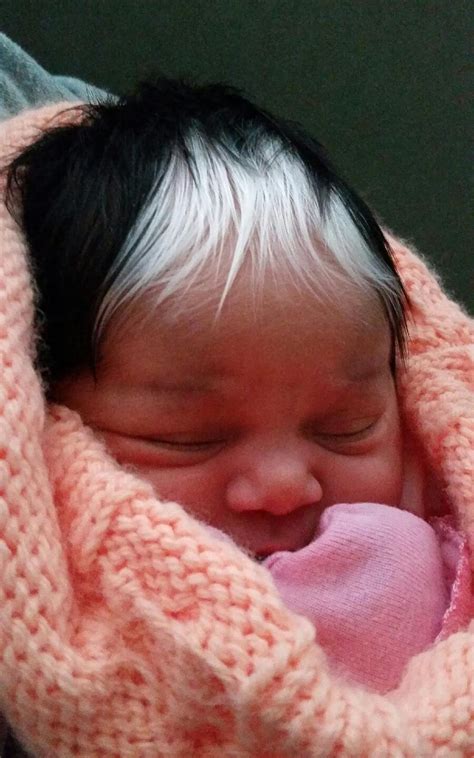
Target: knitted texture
{"points": [[127, 629]]}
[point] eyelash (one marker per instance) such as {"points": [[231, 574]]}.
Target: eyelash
{"points": [[191, 447], [201, 446], [349, 436]]}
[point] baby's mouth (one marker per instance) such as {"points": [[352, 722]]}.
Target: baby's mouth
{"points": [[285, 533], [262, 555]]}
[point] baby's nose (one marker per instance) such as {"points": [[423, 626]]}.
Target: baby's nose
{"points": [[276, 483]]}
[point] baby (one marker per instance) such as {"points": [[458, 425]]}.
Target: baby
{"points": [[224, 312]]}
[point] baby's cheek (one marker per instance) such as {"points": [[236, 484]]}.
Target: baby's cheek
{"points": [[197, 488], [384, 479], [369, 479], [384, 474], [373, 477], [192, 487]]}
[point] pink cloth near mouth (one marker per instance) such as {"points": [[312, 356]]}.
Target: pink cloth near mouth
{"points": [[380, 585]]}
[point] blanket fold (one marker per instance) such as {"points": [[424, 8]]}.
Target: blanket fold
{"points": [[128, 630], [26, 84]]}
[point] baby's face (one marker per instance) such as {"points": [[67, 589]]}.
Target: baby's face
{"points": [[255, 422]]}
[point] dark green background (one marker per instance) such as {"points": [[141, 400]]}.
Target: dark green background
{"points": [[384, 84]]}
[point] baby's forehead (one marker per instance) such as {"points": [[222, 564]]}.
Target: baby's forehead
{"points": [[279, 327], [272, 305]]}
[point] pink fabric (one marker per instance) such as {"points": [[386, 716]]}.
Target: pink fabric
{"points": [[376, 583], [456, 561]]}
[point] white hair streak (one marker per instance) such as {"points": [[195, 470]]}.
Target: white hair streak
{"points": [[212, 212]]}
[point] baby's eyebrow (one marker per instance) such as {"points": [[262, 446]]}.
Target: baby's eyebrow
{"points": [[366, 369], [366, 373]]}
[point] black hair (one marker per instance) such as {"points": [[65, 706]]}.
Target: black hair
{"points": [[78, 191]]}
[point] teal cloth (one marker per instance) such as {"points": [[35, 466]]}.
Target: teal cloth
{"points": [[26, 84]]}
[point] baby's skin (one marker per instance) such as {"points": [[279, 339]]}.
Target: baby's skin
{"points": [[257, 420]]}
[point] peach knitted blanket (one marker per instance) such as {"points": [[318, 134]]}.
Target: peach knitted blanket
{"points": [[127, 630]]}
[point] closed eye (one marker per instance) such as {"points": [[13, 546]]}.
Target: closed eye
{"points": [[354, 435], [187, 446]]}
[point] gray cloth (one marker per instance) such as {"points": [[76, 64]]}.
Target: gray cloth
{"points": [[25, 84]]}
